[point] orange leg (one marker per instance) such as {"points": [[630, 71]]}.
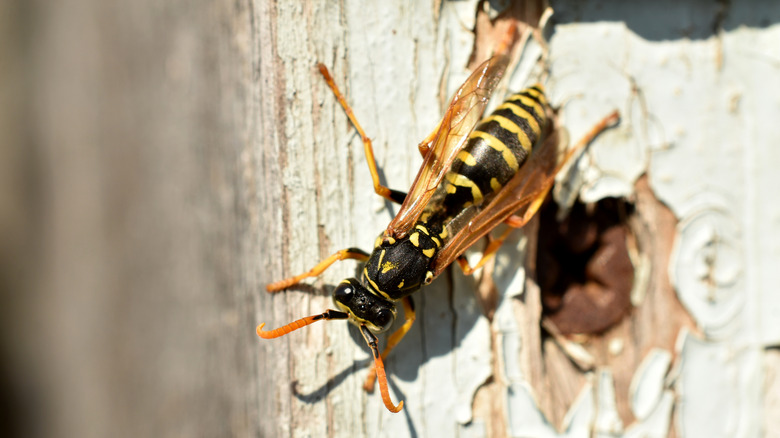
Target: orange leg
{"points": [[392, 341], [610, 120], [349, 253], [383, 191], [513, 222], [427, 142], [536, 199]]}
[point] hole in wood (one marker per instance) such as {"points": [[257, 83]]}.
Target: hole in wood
{"points": [[583, 266]]}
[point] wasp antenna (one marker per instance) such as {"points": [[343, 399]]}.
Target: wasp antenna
{"points": [[295, 325], [379, 366], [382, 377]]}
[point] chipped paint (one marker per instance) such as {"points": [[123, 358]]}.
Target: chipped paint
{"points": [[608, 423], [707, 269], [647, 386], [717, 182]]}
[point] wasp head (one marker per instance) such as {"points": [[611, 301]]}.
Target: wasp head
{"points": [[364, 307]]}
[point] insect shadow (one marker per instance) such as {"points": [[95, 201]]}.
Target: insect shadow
{"points": [[446, 311]]}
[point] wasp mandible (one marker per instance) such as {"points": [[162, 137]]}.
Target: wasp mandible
{"points": [[475, 175]]}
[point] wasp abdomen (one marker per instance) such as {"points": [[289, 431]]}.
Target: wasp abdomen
{"points": [[496, 149]]}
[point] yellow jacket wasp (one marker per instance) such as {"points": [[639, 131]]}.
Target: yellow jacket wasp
{"points": [[475, 175]]}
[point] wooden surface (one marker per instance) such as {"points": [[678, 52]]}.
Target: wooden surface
{"points": [[162, 162], [130, 306]]}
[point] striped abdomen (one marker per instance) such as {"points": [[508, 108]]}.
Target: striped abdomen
{"points": [[496, 149]]}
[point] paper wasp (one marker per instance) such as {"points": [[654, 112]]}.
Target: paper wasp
{"points": [[475, 175]]}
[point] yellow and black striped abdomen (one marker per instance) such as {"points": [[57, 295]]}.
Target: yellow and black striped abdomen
{"points": [[496, 149]]}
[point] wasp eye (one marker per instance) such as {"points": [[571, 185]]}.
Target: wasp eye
{"points": [[343, 293], [383, 319]]}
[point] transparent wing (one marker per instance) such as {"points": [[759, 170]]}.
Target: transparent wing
{"points": [[463, 113], [526, 189], [524, 193]]}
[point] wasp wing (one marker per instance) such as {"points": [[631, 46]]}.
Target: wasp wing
{"points": [[523, 194], [463, 113]]}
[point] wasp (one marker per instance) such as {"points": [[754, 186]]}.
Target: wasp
{"points": [[476, 174]]}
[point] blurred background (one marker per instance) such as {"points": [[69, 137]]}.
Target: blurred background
{"points": [[119, 223]]}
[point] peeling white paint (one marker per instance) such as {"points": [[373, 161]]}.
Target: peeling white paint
{"points": [[508, 277], [701, 130], [719, 389], [608, 423], [473, 355], [510, 344], [649, 382], [706, 268], [525, 419], [656, 425]]}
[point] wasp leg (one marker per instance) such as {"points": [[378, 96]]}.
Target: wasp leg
{"points": [[535, 199], [383, 191], [425, 145], [513, 221], [349, 253], [489, 252], [393, 340]]}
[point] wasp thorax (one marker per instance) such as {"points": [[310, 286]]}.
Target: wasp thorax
{"points": [[363, 306], [398, 267]]}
